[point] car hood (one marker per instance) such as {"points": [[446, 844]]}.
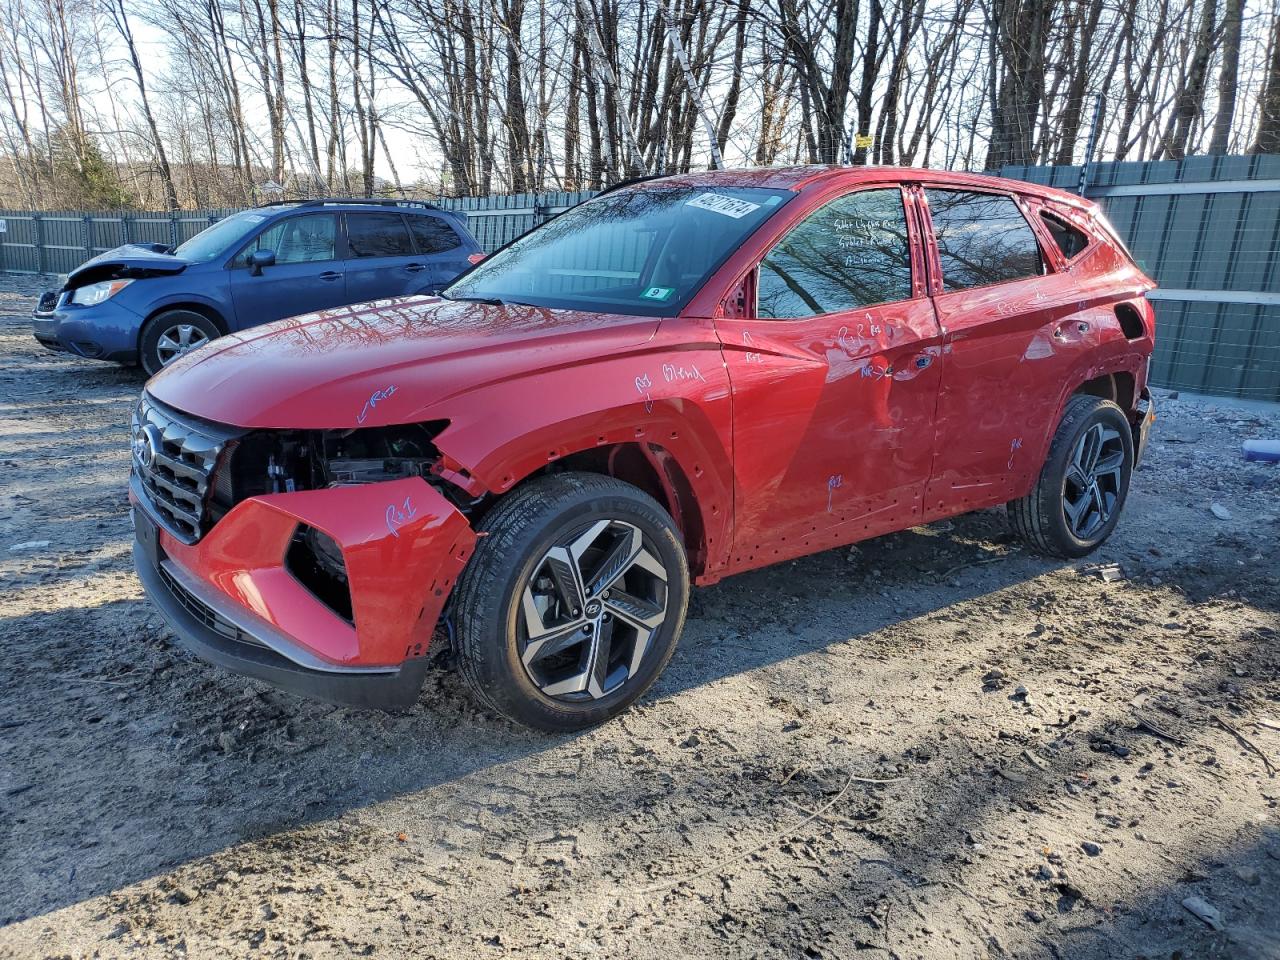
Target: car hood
{"points": [[391, 361], [131, 260]]}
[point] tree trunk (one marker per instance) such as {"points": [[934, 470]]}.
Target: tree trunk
{"points": [[1267, 139], [1191, 96]]}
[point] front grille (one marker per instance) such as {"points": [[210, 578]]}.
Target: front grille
{"points": [[47, 303], [175, 458], [203, 612]]}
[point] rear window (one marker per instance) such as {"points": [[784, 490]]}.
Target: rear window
{"points": [[378, 235], [1069, 240], [433, 235], [983, 239]]}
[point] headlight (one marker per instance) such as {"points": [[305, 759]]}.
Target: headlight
{"points": [[87, 296]]}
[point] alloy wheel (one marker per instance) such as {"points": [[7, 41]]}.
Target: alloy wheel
{"points": [[177, 340], [1092, 485], [589, 610]]}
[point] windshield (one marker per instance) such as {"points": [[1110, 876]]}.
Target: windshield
{"points": [[642, 252], [222, 237]]}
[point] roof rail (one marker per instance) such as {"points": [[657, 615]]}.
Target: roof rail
{"points": [[357, 201], [632, 181]]}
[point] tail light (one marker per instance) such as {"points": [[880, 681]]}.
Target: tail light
{"points": [[475, 258]]}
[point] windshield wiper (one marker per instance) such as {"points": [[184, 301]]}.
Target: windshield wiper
{"points": [[490, 301]]}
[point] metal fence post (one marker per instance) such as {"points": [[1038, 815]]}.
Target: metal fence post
{"points": [[37, 228], [124, 228], [173, 228], [1090, 143], [87, 236]]}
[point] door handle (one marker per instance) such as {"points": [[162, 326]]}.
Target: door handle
{"points": [[330, 275], [415, 267]]}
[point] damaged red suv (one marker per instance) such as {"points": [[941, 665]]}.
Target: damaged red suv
{"points": [[679, 380]]}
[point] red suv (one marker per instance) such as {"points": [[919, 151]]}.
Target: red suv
{"points": [[679, 380]]}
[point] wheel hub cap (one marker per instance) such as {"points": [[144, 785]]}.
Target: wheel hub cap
{"points": [[179, 339], [589, 610], [1092, 484]]}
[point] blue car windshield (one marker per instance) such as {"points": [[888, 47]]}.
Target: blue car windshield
{"points": [[224, 236], [643, 252]]}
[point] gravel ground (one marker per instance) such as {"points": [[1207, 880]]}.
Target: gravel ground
{"points": [[933, 745]]}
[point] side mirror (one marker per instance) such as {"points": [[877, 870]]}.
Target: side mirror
{"points": [[259, 259]]}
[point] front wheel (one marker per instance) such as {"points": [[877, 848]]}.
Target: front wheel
{"points": [[172, 334], [1076, 503], [573, 602]]}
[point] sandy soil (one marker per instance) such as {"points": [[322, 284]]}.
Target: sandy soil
{"points": [[929, 746]]}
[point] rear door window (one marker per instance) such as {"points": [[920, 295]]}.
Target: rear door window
{"points": [[303, 239], [378, 235], [1069, 239], [433, 235], [852, 252], [983, 239]]}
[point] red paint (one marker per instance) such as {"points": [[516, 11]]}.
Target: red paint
{"points": [[399, 580], [777, 437]]}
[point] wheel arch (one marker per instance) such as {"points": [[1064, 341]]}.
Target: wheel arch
{"points": [[1120, 379], [654, 470], [1120, 387], [205, 310], [677, 460]]}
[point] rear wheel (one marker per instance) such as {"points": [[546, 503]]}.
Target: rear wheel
{"points": [[1082, 488], [173, 334], [573, 602]]}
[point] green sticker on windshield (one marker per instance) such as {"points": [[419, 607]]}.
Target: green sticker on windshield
{"points": [[658, 293]]}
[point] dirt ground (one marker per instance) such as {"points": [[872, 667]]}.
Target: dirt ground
{"points": [[933, 745]]}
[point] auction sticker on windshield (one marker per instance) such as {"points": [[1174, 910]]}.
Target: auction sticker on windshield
{"points": [[719, 203], [658, 293]]}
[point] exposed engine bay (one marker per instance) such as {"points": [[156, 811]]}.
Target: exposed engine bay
{"points": [[285, 461]]}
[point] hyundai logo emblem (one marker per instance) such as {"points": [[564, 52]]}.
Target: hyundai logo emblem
{"points": [[593, 609], [145, 443]]}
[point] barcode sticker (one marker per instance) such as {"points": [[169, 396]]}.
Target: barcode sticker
{"points": [[719, 203]]}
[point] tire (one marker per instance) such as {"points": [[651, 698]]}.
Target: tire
{"points": [[1083, 485], [153, 350], [522, 649]]}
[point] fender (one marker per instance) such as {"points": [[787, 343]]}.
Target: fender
{"points": [[187, 298], [1132, 361], [671, 399]]}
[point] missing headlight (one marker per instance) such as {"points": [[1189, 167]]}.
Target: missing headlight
{"points": [[380, 453]]}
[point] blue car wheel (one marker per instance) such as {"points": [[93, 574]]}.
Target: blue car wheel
{"points": [[171, 335]]}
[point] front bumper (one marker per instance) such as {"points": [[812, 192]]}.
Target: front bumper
{"points": [[104, 331], [45, 328], [231, 598]]}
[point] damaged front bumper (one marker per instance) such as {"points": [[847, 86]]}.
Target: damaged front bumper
{"points": [[235, 598]]}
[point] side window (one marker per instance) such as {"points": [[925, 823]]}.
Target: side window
{"points": [[983, 238], [1069, 240], [378, 235], [852, 252], [433, 235], [294, 240]]}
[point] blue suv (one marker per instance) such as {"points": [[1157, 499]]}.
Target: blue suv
{"points": [[150, 304]]}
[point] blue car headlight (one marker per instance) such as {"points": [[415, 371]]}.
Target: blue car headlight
{"points": [[92, 293]]}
